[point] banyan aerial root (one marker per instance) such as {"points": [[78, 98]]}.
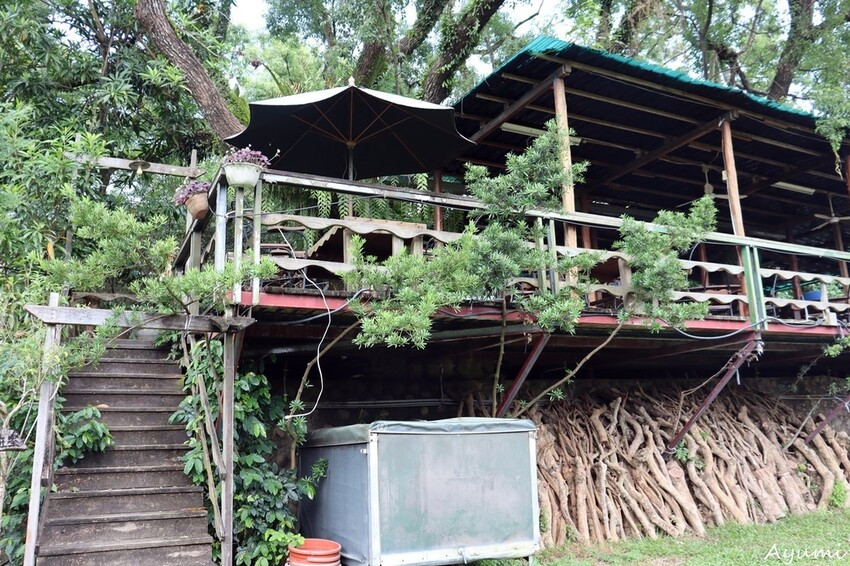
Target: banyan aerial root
{"points": [[603, 474]]}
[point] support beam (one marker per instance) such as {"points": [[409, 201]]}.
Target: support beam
{"points": [[238, 206], [732, 179], [512, 392], [520, 104], [839, 245], [787, 173], [568, 194], [227, 448], [221, 227], [752, 350], [96, 317], [438, 211], [663, 150]]}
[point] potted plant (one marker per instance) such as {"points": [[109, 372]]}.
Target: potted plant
{"points": [[243, 166], [195, 195]]}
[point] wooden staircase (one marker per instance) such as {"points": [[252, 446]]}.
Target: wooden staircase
{"points": [[131, 504]]}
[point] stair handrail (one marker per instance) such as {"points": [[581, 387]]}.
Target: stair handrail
{"points": [[44, 440]]}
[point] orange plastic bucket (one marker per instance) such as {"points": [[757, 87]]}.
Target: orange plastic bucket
{"points": [[315, 552]]}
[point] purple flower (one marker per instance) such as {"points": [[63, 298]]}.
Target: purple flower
{"points": [[246, 155], [190, 188]]}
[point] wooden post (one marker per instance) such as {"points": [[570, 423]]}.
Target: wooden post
{"points": [[541, 270], [258, 227], [43, 429], [438, 210], [221, 227], [732, 180], [733, 193], [554, 276], [227, 447], [839, 245], [568, 197], [586, 234], [193, 165], [237, 241], [795, 266]]}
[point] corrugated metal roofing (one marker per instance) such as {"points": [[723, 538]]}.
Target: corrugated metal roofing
{"points": [[621, 109]]}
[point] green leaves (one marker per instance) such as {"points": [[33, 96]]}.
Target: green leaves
{"points": [[81, 432]]}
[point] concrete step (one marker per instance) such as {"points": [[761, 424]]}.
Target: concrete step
{"points": [[118, 477], [129, 365], [117, 527], [183, 551], [108, 382], [117, 398], [135, 435], [138, 455], [130, 500], [130, 416]]}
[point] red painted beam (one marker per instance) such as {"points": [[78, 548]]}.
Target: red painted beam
{"points": [[523, 373], [744, 355]]}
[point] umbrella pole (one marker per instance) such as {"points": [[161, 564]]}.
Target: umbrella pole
{"points": [[350, 178]]}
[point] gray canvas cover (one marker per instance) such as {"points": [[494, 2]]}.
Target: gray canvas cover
{"points": [[434, 492]]}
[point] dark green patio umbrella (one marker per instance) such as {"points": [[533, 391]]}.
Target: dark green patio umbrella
{"points": [[354, 133]]}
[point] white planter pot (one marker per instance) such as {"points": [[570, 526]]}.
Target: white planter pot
{"points": [[242, 174]]}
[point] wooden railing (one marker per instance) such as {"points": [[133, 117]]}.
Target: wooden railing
{"points": [[752, 293]]}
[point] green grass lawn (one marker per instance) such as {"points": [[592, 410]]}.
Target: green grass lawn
{"points": [[793, 540]]}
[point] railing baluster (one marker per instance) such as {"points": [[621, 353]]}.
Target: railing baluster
{"points": [[258, 227]]}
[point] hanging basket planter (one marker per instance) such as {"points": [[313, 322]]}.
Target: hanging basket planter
{"points": [[242, 167], [198, 205], [195, 196], [242, 174]]}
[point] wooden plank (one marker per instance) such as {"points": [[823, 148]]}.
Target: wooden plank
{"points": [[512, 110], [95, 317], [258, 227], [43, 430], [662, 150], [118, 163]]}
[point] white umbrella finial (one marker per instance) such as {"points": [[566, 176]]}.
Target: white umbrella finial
{"points": [[350, 81]]}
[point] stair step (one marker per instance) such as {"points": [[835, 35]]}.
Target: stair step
{"points": [[135, 435], [139, 499], [146, 353], [135, 344], [116, 527], [130, 365], [124, 397], [130, 416], [183, 551], [139, 455], [120, 477], [168, 382]]}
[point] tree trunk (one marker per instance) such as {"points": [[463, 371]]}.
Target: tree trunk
{"points": [[456, 44], [152, 18], [799, 39]]}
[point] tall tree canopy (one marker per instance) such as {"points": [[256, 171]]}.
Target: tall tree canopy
{"points": [[794, 51]]}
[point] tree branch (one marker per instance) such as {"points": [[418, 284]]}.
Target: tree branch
{"points": [[152, 18]]}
